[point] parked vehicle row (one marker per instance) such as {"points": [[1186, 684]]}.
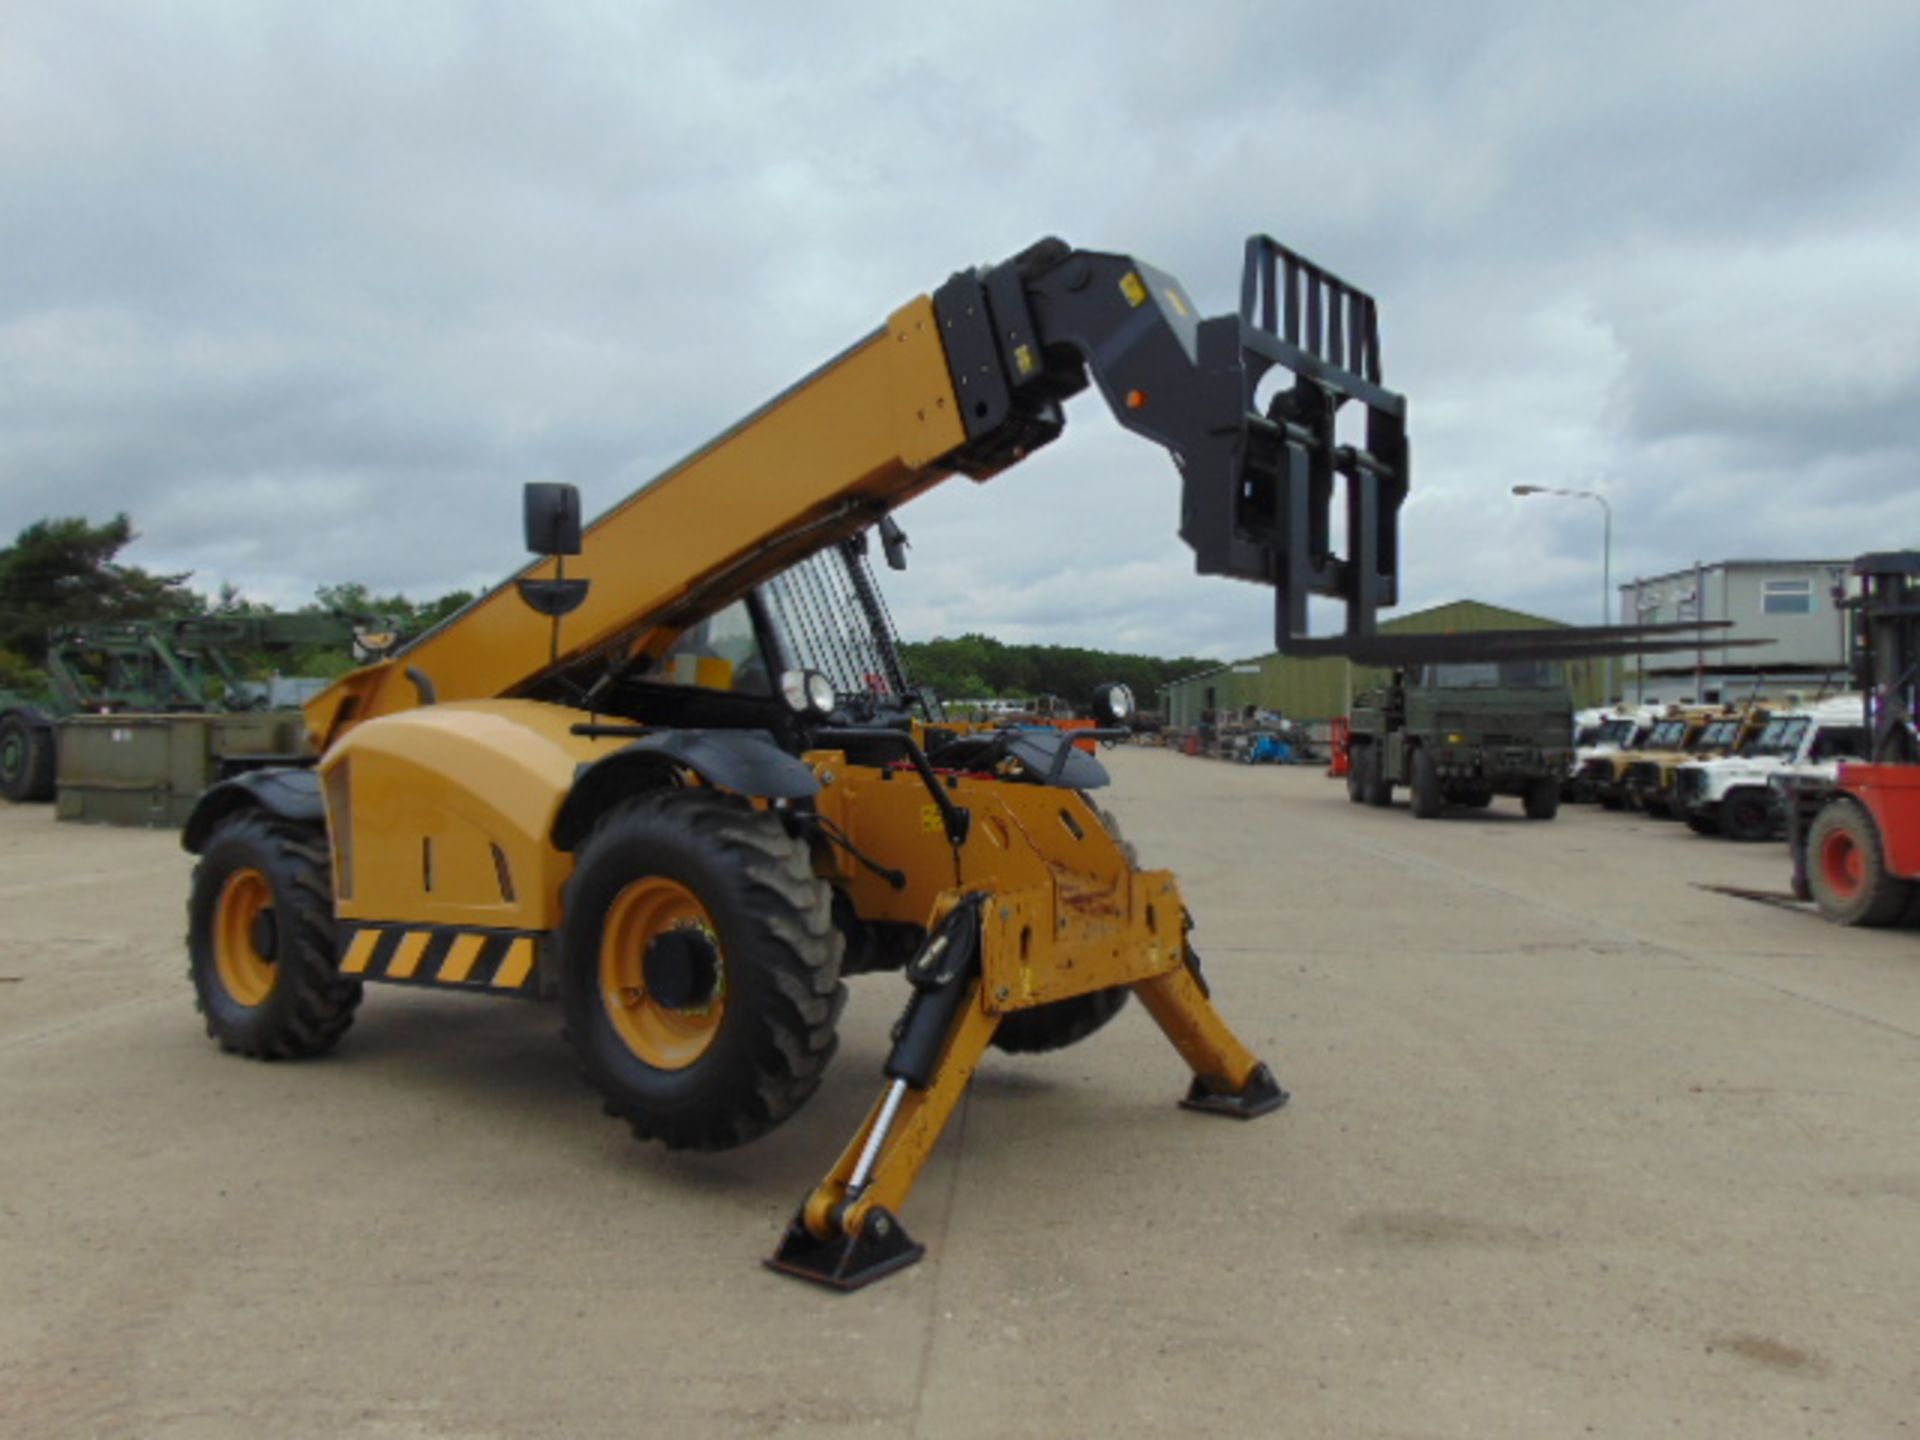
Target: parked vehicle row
{"points": [[1719, 769]]}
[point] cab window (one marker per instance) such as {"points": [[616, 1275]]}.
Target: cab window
{"points": [[722, 652], [1846, 742]]}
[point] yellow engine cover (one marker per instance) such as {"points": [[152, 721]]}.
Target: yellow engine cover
{"points": [[441, 815]]}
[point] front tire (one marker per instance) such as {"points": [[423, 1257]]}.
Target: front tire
{"points": [[702, 969], [1847, 869], [260, 940], [1378, 788], [26, 759], [1424, 789], [1542, 800], [1746, 816]]}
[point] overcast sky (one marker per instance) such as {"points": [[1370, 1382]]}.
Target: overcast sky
{"points": [[310, 289]]}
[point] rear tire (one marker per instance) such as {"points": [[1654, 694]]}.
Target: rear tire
{"points": [[260, 940], [702, 984], [1700, 825], [1424, 789], [1746, 816], [26, 759], [1542, 801], [1059, 1023], [1847, 869], [1356, 774]]}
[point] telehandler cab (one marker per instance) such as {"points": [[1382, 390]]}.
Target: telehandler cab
{"points": [[686, 788]]}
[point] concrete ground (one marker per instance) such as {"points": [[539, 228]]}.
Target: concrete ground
{"points": [[1576, 1148]]}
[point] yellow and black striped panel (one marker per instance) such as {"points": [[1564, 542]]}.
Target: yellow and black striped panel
{"points": [[502, 962]]}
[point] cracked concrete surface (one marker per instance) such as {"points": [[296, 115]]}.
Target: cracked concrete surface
{"points": [[1575, 1148]]}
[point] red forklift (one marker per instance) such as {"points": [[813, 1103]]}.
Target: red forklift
{"points": [[1856, 840]]}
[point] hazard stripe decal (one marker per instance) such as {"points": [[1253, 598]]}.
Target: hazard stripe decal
{"points": [[503, 961], [517, 967], [359, 952], [406, 957]]}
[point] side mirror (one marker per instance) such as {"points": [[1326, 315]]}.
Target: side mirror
{"points": [[894, 541], [553, 519]]}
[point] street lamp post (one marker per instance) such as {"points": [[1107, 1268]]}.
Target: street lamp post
{"points": [[1606, 560]]}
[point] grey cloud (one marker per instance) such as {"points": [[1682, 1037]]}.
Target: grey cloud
{"points": [[310, 290]]}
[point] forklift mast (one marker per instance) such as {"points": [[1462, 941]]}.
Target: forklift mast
{"points": [[970, 381], [1886, 650]]}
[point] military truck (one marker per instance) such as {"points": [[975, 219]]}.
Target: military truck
{"points": [[1461, 733]]}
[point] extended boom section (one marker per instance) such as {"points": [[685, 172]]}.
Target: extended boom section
{"points": [[971, 381]]}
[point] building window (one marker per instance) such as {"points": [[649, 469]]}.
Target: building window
{"points": [[1786, 597]]}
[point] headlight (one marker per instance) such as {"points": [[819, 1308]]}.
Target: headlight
{"points": [[807, 690], [820, 693], [1113, 704]]}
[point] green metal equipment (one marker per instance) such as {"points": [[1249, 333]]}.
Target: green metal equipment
{"points": [[140, 715]]}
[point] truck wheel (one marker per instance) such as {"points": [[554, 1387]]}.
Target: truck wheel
{"points": [[1847, 869], [702, 982], [1746, 816], [1424, 789], [1379, 788], [260, 940], [1542, 800], [1701, 825], [1357, 773], [26, 759], [1061, 1023]]}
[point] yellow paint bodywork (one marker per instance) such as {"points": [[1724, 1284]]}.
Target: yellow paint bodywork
{"points": [[1070, 913], [418, 801]]}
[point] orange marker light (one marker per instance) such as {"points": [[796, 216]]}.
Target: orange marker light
{"points": [[1136, 399]]}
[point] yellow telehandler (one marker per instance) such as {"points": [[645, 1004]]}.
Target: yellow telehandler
{"points": [[682, 786]]}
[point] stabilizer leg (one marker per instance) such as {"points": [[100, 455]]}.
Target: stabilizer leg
{"points": [[847, 1233], [1228, 1079]]}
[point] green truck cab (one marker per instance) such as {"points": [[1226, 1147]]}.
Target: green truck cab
{"points": [[1462, 733]]}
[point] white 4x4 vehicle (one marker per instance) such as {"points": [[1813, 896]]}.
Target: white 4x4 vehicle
{"points": [[1604, 732], [1731, 796]]}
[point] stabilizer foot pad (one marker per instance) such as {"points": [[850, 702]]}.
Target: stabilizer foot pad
{"points": [[846, 1262], [1261, 1096]]}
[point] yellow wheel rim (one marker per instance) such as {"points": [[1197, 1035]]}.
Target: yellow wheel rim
{"points": [[244, 921], [665, 1037]]}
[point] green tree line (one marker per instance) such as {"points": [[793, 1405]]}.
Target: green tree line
{"points": [[978, 667], [68, 571]]}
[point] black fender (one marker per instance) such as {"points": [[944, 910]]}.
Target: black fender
{"points": [[744, 761], [291, 792], [1038, 751]]}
